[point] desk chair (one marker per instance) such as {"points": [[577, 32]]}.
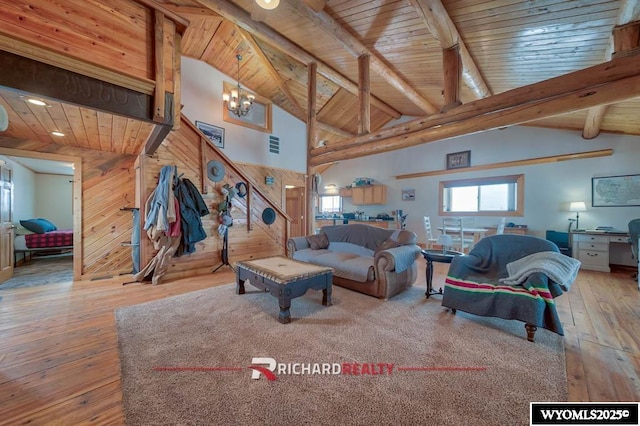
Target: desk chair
{"points": [[427, 229], [634, 232], [561, 239]]}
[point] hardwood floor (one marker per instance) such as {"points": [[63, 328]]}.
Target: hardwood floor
{"points": [[59, 359]]}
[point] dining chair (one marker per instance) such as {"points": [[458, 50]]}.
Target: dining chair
{"points": [[427, 229], [500, 228], [454, 226]]}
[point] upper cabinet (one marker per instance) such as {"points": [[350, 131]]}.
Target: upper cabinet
{"points": [[373, 194]]}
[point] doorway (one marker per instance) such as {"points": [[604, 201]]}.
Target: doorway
{"points": [[60, 199], [295, 208]]}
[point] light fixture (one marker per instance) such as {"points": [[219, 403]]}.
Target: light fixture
{"points": [[445, 241], [268, 4], [57, 133], [4, 119], [34, 101], [577, 206], [238, 101]]}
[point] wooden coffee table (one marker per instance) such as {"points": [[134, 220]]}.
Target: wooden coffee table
{"points": [[285, 279]]}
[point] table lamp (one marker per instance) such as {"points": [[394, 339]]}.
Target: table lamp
{"points": [[445, 241], [577, 206]]}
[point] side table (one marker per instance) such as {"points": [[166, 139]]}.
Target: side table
{"points": [[436, 256]]}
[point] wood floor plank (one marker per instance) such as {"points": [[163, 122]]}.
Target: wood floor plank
{"points": [[59, 363]]}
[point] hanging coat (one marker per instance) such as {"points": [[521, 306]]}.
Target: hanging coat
{"points": [[192, 208]]}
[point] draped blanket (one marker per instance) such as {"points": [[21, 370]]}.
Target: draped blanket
{"points": [[558, 267], [474, 282]]}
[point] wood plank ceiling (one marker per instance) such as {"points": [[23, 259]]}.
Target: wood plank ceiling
{"points": [[504, 44]]}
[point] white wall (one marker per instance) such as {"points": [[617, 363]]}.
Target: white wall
{"points": [[24, 182], [54, 199], [202, 99], [548, 187]]}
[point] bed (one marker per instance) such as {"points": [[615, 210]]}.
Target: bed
{"points": [[41, 235]]}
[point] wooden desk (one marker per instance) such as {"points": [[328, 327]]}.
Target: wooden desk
{"points": [[596, 250]]}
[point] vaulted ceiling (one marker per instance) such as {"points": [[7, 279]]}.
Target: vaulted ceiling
{"points": [[503, 45]]}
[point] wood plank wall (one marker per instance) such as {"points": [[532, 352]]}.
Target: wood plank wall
{"points": [[112, 34], [257, 173], [108, 184], [249, 237]]}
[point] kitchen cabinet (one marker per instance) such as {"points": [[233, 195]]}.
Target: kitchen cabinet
{"points": [[373, 194], [345, 192]]}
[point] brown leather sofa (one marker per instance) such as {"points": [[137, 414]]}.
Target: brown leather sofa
{"points": [[374, 261]]}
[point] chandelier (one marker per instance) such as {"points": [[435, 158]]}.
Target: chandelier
{"points": [[238, 101]]}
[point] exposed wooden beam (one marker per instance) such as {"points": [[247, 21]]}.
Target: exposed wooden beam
{"points": [[316, 5], [158, 58], [613, 81], [329, 128], [180, 21], [356, 48], [364, 95], [516, 163], [312, 139], [242, 19], [437, 19], [629, 11], [258, 14], [451, 69], [273, 73]]}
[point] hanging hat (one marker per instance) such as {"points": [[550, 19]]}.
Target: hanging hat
{"points": [[215, 170], [241, 187], [268, 216]]}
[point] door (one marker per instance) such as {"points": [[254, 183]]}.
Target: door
{"points": [[295, 208], [6, 221]]}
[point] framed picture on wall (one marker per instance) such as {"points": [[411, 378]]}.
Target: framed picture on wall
{"points": [[615, 191], [215, 134], [458, 160]]}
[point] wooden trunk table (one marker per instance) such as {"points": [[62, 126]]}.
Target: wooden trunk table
{"points": [[285, 279]]}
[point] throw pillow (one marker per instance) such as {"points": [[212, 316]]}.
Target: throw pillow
{"points": [[386, 244], [47, 225], [318, 241], [33, 225]]}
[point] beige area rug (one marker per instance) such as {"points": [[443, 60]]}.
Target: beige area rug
{"points": [[185, 360]]}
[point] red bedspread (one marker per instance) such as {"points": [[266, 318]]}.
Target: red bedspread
{"points": [[50, 239]]}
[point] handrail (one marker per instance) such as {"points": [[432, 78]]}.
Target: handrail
{"points": [[237, 170]]}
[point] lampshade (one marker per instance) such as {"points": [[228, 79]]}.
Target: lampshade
{"points": [[577, 206], [268, 4]]}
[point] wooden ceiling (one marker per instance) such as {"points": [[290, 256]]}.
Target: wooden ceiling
{"points": [[504, 45]]}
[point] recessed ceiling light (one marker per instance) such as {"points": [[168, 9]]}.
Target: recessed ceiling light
{"points": [[38, 102], [56, 133], [268, 4]]}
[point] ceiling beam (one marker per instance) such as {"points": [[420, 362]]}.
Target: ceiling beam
{"points": [[613, 81], [356, 48], [243, 20], [629, 11], [273, 73], [316, 5], [437, 19], [364, 82]]}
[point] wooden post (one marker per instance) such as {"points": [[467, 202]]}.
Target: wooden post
{"points": [[158, 45], [312, 136], [364, 95], [452, 72]]}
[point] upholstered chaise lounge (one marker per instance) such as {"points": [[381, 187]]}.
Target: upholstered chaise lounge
{"points": [[375, 261]]}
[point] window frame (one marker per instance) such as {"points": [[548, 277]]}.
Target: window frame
{"points": [[493, 180], [329, 195]]}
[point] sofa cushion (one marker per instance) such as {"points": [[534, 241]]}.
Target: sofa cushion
{"points": [[350, 248], [318, 241], [345, 265]]}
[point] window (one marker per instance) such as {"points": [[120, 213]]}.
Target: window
{"points": [[501, 195], [330, 203]]}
